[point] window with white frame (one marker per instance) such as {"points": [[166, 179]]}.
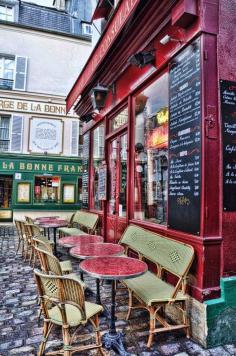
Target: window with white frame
{"points": [[13, 71], [4, 132], [7, 70], [6, 13], [87, 29]]}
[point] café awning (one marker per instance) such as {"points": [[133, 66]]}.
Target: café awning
{"points": [[122, 13]]}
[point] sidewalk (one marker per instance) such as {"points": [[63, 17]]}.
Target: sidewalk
{"points": [[20, 334]]}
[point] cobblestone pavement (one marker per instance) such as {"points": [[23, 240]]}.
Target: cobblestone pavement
{"points": [[21, 335]]}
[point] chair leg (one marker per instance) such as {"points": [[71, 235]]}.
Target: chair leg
{"points": [[46, 331], [186, 320], [18, 246], [130, 304], [66, 341], [152, 327]]}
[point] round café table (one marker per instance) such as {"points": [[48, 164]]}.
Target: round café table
{"points": [[89, 250], [53, 224], [74, 240], [114, 268]]}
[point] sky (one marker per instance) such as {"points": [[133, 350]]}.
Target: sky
{"points": [[41, 2]]}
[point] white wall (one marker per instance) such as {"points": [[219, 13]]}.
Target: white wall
{"points": [[54, 61]]}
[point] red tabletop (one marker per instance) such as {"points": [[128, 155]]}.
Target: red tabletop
{"points": [[71, 241], [47, 218], [53, 223], [96, 250], [111, 267]]}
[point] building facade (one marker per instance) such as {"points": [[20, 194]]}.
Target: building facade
{"points": [[166, 137], [42, 50]]}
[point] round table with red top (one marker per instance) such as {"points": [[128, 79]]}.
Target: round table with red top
{"points": [[114, 268], [74, 240], [89, 250], [53, 224]]}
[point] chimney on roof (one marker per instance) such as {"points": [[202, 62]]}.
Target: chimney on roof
{"points": [[59, 4]]}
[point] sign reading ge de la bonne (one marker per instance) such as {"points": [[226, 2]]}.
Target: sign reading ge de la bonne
{"points": [[36, 107], [44, 167]]}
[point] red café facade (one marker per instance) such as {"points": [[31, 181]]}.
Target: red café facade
{"points": [[161, 153]]}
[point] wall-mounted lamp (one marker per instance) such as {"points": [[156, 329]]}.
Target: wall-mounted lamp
{"points": [[167, 38], [98, 96], [141, 59]]}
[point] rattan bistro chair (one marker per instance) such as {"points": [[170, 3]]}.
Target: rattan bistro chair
{"points": [[63, 303], [21, 240], [51, 264]]}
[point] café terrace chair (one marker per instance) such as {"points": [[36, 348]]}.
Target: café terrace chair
{"points": [[51, 264], [21, 240], [63, 303], [29, 220]]}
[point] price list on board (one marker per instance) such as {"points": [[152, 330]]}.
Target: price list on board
{"points": [[228, 114], [85, 175], [185, 140]]}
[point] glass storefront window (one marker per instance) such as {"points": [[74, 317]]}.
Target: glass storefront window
{"points": [[98, 157], [47, 189], [151, 152]]}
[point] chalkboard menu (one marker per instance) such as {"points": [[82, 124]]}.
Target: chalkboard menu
{"points": [[102, 182], [228, 114], [85, 174], [185, 140]]}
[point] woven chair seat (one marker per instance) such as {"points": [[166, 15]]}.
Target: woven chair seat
{"points": [[66, 266], [73, 314], [152, 289], [71, 231]]}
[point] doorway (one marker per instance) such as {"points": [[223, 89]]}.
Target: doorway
{"points": [[6, 198], [117, 192]]}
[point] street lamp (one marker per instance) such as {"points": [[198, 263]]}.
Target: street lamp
{"points": [[98, 96]]}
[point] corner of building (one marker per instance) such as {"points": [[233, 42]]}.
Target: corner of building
{"points": [[221, 315]]}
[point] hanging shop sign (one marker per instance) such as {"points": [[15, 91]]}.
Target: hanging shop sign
{"points": [[185, 141], [33, 107], [20, 165], [46, 136], [85, 170], [228, 115]]}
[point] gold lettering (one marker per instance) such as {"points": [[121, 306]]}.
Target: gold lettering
{"points": [[22, 166], [6, 104], [44, 167], [11, 165], [66, 168], [59, 167], [4, 165], [22, 106], [50, 167], [36, 167], [29, 167], [72, 168]]}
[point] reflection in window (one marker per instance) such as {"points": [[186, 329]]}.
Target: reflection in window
{"points": [[4, 133], [151, 152], [98, 157], [47, 189]]}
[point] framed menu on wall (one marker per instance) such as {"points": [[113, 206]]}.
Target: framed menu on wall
{"points": [[68, 193], [184, 192], [23, 192], [102, 182], [228, 116]]}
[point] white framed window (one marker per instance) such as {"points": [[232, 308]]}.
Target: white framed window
{"points": [[6, 13], [13, 72], [7, 72], [87, 29], [5, 133]]}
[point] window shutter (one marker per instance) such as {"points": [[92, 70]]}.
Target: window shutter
{"points": [[16, 133], [74, 138], [20, 73]]}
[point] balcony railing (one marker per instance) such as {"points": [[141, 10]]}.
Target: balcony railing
{"points": [[6, 83]]}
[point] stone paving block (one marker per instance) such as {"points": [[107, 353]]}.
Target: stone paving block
{"points": [[219, 351]]}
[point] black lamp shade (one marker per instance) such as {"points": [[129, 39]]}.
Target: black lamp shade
{"points": [[141, 59], [98, 96]]}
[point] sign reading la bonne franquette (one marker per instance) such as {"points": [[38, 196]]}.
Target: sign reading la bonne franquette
{"points": [[36, 107]]}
